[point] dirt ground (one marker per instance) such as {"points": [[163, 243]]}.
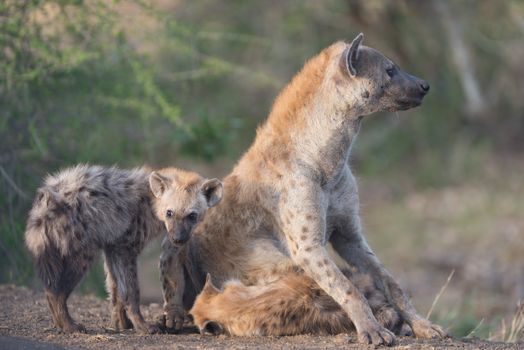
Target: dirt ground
{"points": [[25, 323]]}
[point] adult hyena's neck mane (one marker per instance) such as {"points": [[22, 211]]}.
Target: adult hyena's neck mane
{"points": [[288, 110], [312, 118]]}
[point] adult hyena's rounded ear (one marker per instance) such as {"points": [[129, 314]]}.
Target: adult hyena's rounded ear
{"points": [[350, 55], [213, 191], [158, 184]]}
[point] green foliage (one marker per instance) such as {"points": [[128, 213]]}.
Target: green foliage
{"points": [[78, 86]]}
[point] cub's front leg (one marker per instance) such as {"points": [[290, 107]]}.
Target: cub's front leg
{"points": [[303, 220], [173, 285], [121, 263]]}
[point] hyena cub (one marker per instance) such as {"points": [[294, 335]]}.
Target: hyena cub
{"points": [[85, 209], [294, 304]]}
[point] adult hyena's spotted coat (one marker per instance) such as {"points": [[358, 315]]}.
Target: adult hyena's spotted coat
{"points": [[293, 190]]}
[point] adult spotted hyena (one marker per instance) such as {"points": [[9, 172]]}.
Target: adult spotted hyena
{"points": [[293, 191], [85, 209]]}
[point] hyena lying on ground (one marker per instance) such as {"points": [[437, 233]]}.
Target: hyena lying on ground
{"points": [[292, 305], [293, 192], [85, 209]]}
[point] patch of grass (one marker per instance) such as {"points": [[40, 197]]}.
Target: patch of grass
{"points": [[514, 331]]}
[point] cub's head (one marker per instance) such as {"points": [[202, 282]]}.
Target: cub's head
{"points": [[207, 310], [374, 80], [182, 199]]}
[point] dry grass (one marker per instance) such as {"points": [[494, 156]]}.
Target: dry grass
{"points": [[439, 294], [515, 331]]}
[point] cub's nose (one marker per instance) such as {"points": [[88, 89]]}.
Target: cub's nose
{"points": [[424, 86], [179, 242]]}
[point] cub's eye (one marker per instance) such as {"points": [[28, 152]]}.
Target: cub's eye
{"points": [[192, 217], [169, 213], [391, 71]]}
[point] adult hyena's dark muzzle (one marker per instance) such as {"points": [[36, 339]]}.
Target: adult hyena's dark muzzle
{"points": [[405, 91], [384, 85]]}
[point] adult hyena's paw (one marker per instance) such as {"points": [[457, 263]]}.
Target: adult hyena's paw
{"points": [[376, 335], [423, 328]]}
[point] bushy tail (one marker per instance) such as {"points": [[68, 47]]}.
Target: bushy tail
{"points": [[40, 224], [50, 268]]}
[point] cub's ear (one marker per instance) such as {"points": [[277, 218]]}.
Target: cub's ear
{"points": [[209, 287], [350, 55], [158, 183], [213, 191]]}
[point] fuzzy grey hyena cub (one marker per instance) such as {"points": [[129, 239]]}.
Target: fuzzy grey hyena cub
{"points": [[85, 209]]}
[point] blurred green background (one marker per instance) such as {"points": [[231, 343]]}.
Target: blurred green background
{"points": [[186, 83]]}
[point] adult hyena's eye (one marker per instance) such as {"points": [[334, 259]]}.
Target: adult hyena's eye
{"points": [[391, 71], [192, 217], [169, 213]]}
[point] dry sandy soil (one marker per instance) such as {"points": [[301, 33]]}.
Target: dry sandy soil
{"points": [[25, 323]]}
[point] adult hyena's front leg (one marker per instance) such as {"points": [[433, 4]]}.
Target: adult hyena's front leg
{"points": [[359, 254], [422, 327], [303, 224], [173, 285], [348, 240]]}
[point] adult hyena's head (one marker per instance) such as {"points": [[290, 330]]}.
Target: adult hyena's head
{"points": [[182, 199], [377, 83]]}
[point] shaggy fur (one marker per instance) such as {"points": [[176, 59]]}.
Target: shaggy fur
{"points": [[293, 191], [294, 304], [85, 209]]}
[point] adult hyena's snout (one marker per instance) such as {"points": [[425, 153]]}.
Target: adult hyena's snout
{"points": [[420, 85], [424, 86], [407, 91]]}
